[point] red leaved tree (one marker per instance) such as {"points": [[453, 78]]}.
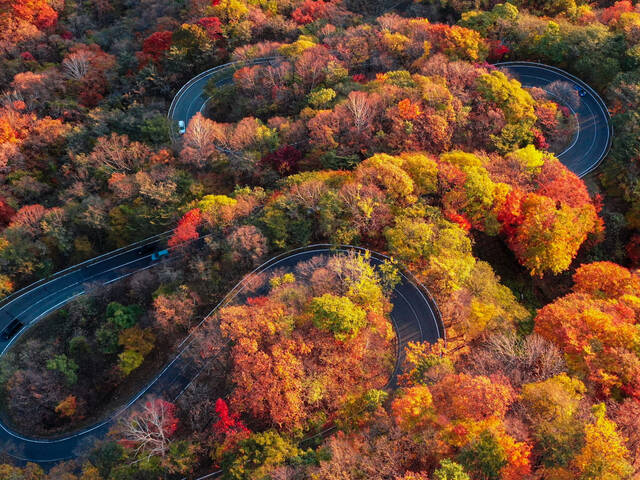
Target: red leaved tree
{"points": [[310, 11], [601, 311], [632, 248], [612, 14], [212, 26], [284, 160], [6, 212], [156, 44], [461, 220], [187, 228], [228, 423], [36, 12]]}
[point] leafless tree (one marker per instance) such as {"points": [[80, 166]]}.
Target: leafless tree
{"points": [[627, 417], [198, 407], [309, 193], [522, 361], [157, 184], [149, 430], [117, 154], [10, 157], [29, 217], [360, 106], [276, 76], [199, 140], [248, 246], [76, 65], [564, 92], [311, 67], [9, 97], [33, 88]]}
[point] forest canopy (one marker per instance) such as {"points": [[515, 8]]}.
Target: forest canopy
{"points": [[381, 125]]}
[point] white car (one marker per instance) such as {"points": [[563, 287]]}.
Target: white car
{"points": [[181, 127]]}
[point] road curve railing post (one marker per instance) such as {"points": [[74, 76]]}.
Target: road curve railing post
{"points": [[330, 247]]}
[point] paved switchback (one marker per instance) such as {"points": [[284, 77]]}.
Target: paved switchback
{"points": [[415, 317], [593, 140], [587, 150]]}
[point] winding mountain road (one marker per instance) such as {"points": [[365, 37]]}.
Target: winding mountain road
{"points": [[593, 140], [415, 317], [589, 147], [191, 98]]}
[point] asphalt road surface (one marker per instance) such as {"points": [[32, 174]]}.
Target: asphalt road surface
{"points": [[586, 151], [191, 98], [593, 140], [415, 318]]}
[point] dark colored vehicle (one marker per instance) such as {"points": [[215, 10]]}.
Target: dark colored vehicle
{"points": [[147, 249], [159, 255], [11, 329]]}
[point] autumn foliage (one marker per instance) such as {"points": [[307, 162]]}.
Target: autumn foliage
{"points": [[277, 348], [6, 212], [464, 412], [37, 12], [67, 407], [212, 26], [601, 311], [393, 133], [156, 44], [187, 228]]}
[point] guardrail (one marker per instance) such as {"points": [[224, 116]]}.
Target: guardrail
{"points": [[263, 60], [236, 65], [91, 261], [587, 87], [380, 256], [135, 397], [327, 246]]}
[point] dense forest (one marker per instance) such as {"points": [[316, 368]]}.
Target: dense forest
{"points": [[377, 124]]}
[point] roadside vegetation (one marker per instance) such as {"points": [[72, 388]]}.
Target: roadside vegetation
{"points": [[89, 356], [388, 129]]}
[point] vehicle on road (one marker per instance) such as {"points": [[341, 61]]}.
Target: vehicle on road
{"points": [[181, 127], [592, 115], [160, 254], [11, 329], [147, 249]]}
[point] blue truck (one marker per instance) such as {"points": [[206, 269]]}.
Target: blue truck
{"points": [[160, 254]]}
